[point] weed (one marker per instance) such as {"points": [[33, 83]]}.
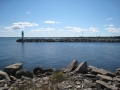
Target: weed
{"points": [[58, 77]]}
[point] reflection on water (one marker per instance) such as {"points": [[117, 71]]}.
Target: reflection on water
{"points": [[22, 47]]}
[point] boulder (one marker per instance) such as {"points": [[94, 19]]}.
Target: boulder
{"points": [[2, 83], [82, 68], [110, 74], [116, 79], [46, 78], [71, 66], [118, 71], [38, 70], [25, 73], [12, 69], [114, 87], [96, 71], [102, 84], [49, 70], [25, 78], [89, 84], [48, 73], [117, 85], [4, 75], [90, 75], [12, 78], [90, 68], [105, 86], [4, 88], [104, 77]]}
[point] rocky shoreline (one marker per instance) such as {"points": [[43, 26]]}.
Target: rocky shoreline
{"points": [[74, 77], [72, 39]]}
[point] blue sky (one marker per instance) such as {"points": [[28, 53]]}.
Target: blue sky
{"points": [[59, 18]]}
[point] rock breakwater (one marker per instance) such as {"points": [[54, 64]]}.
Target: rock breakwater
{"points": [[73, 39], [74, 77]]}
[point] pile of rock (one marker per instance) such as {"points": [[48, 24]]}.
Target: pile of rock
{"points": [[14, 74], [72, 39], [79, 77], [90, 78]]}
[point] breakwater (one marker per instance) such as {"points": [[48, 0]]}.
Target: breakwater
{"points": [[72, 39]]}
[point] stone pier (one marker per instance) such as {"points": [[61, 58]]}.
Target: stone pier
{"points": [[72, 39]]}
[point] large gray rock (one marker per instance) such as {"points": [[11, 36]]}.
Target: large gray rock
{"points": [[3, 75], [71, 66], [104, 77], [38, 70], [116, 79], [118, 71], [49, 70], [88, 84], [90, 75], [25, 73], [113, 87], [12, 69], [82, 68], [106, 85], [4, 88], [12, 78], [96, 71], [102, 84], [2, 83]]}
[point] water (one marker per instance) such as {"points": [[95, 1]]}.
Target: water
{"points": [[59, 54]]}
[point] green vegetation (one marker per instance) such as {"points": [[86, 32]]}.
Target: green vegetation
{"points": [[55, 78], [58, 77]]}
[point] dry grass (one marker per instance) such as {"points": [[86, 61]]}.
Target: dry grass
{"points": [[58, 77], [55, 78]]}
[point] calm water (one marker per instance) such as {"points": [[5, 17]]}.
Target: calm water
{"points": [[59, 54]]}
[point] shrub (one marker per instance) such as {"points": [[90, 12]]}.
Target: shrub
{"points": [[58, 77]]}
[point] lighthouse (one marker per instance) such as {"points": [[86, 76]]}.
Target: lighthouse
{"points": [[22, 35]]}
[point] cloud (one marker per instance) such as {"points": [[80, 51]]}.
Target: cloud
{"points": [[26, 24], [38, 30], [112, 29], [61, 30], [17, 27], [109, 18], [92, 29], [52, 22], [21, 25], [70, 27], [43, 30], [49, 22], [58, 22], [75, 29], [110, 25], [50, 29], [28, 12]]}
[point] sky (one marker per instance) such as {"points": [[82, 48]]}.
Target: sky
{"points": [[59, 18]]}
